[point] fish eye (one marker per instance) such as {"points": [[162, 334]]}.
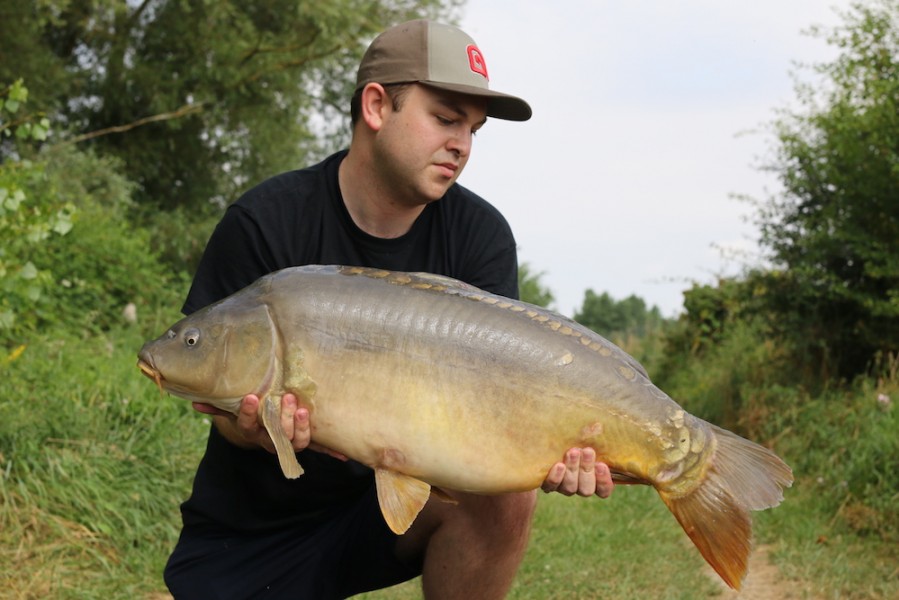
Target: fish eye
{"points": [[191, 337]]}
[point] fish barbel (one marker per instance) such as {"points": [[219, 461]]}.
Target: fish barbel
{"points": [[432, 382]]}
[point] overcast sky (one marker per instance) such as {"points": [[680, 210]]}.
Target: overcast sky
{"points": [[623, 179]]}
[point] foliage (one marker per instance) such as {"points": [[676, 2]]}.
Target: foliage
{"points": [[710, 316], [103, 264], [609, 317], [531, 289], [628, 323], [69, 256], [839, 439], [179, 236], [14, 123], [707, 310], [84, 279], [27, 220], [724, 383], [210, 95], [844, 444], [833, 234]]}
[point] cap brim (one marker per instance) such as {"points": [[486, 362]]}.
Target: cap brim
{"points": [[499, 105]]}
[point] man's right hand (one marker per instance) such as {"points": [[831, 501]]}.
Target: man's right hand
{"points": [[246, 430]]}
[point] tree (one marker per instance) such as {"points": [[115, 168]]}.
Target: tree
{"points": [[628, 323], [195, 97], [531, 289], [833, 233], [617, 318]]}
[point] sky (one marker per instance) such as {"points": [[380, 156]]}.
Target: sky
{"points": [[649, 117]]}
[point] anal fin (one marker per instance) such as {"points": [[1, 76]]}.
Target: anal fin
{"points": [[271, 420], [401, 498]]}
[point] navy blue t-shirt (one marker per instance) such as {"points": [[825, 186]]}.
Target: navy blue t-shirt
{"points": [[299, 218]]}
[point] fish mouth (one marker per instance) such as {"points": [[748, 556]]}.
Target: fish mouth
{"points": [[152, 372]]}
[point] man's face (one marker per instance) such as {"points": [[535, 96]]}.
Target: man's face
{"points": [[422, 148]]}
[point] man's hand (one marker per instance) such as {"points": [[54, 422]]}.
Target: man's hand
{"points": [[246, 431], [580, 474]]}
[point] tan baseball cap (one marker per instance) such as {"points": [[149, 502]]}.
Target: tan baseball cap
{"points": [[439, 56]]}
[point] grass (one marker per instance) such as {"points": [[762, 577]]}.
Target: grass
{"points": [[94, 463], [839, 528], [628, 546], [823, 545], [815, 546]]}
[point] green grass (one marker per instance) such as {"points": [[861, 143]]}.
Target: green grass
{"points": [[94, 464], [628, 546], [817, 546]]}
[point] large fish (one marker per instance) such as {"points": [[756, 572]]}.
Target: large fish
{"points": [[432, 382]]}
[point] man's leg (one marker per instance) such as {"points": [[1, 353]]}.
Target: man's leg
{"points": [[351, 551], [471, 549]]}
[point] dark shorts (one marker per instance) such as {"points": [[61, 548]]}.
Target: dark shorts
{"points": [[350, 553]]}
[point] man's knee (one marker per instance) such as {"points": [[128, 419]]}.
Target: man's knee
{"points": [[492, 521], [513, 510], [506, 518]]}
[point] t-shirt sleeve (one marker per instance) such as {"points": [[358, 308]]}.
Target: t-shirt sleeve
{"points": [[496, 270], [490, 252], [236, 255]]}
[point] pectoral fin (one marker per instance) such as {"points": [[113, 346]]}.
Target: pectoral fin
{"points": [[271, 419], [401, 498]]}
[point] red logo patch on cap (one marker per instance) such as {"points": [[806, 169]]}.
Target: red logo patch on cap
{"points": [[476, 61]]}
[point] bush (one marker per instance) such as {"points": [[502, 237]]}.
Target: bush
{"points": [[839, 438], [103, 263], [179, 236], [843, 444], [26, 221], [724, 383]]}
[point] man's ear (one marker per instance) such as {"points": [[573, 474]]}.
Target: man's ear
{"points": [[374, 104]]}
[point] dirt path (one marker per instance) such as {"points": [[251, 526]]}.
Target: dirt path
{"points": [[764, 582]]}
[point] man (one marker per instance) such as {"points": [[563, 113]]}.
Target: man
{"points": [[391, 201]]}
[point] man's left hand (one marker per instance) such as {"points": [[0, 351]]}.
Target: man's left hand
{"points": [[579, 474]]}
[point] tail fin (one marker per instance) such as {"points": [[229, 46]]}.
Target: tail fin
{"points": [[742, 476]]}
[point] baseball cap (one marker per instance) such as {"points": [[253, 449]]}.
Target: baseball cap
{"points": [[439, 56]]}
